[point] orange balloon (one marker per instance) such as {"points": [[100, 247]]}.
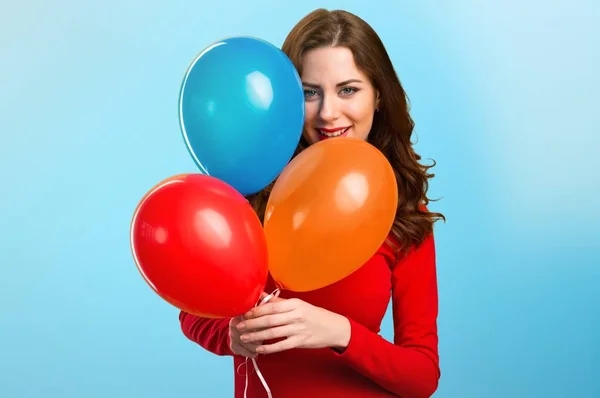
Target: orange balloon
{"points": [[329, 211]]}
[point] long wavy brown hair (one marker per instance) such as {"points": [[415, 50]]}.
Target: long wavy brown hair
{"points": [[392, 125]]}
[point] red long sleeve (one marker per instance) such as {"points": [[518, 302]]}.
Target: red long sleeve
{"points": [[370, 366], [409, 367], [211, 334]]}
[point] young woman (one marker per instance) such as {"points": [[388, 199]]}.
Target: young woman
{"points": [[325, 343]]}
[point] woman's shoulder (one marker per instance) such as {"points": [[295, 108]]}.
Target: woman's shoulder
{"points": [[394, 251]]}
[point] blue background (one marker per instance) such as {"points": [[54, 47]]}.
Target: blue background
{"points": [[505, 99]]}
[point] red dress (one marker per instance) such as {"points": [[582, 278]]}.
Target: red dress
{"points": [[370, 366]]}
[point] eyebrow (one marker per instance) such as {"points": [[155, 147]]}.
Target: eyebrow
{"points": [[345, 82]]}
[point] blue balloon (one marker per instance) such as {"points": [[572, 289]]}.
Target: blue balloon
{"points": [[241, 112]]}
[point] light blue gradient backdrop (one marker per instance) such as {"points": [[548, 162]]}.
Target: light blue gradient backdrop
{"points": [[505, 99]]}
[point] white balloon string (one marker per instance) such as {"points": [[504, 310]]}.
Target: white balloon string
{"points": [[258, 373], [262, 379]]}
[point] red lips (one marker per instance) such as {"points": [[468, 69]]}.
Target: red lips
{"points": [[331, 130], [325, 133]]}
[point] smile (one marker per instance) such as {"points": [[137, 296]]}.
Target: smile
{"points": [[330, 133]]}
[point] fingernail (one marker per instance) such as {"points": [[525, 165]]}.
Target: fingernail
{"points": [[245, 338], [241, 326]]}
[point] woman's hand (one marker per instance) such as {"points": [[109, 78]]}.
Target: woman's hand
{"points": [[238, 347], [298, 323]]}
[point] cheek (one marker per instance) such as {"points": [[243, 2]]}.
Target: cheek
{"points": [[310, 114], [362, 116]]}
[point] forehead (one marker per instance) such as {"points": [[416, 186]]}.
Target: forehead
{"points": [[329, 65]]}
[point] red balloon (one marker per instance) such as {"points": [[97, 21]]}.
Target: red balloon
{"points": [[200, 246]]}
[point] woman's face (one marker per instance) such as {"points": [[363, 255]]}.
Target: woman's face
{"points": [[339, 99]]}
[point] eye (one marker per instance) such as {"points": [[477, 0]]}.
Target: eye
{"points": [[348, 91], [310, 93]]}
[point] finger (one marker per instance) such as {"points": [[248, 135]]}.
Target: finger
{"points": [[274, 307], [251, 346], [268, 334], [269, 298], [234, 332], [233, 322], [274, 299], [267, 321], [287, 344], [243, 351], [235, 339]]}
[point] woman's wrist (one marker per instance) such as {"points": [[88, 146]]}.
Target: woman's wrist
{"points": [[341, 338]]}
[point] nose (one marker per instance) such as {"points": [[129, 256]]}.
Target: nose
{"points": [[329, 108]]}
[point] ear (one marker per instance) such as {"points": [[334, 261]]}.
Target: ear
{"points": [[377, 101]]}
